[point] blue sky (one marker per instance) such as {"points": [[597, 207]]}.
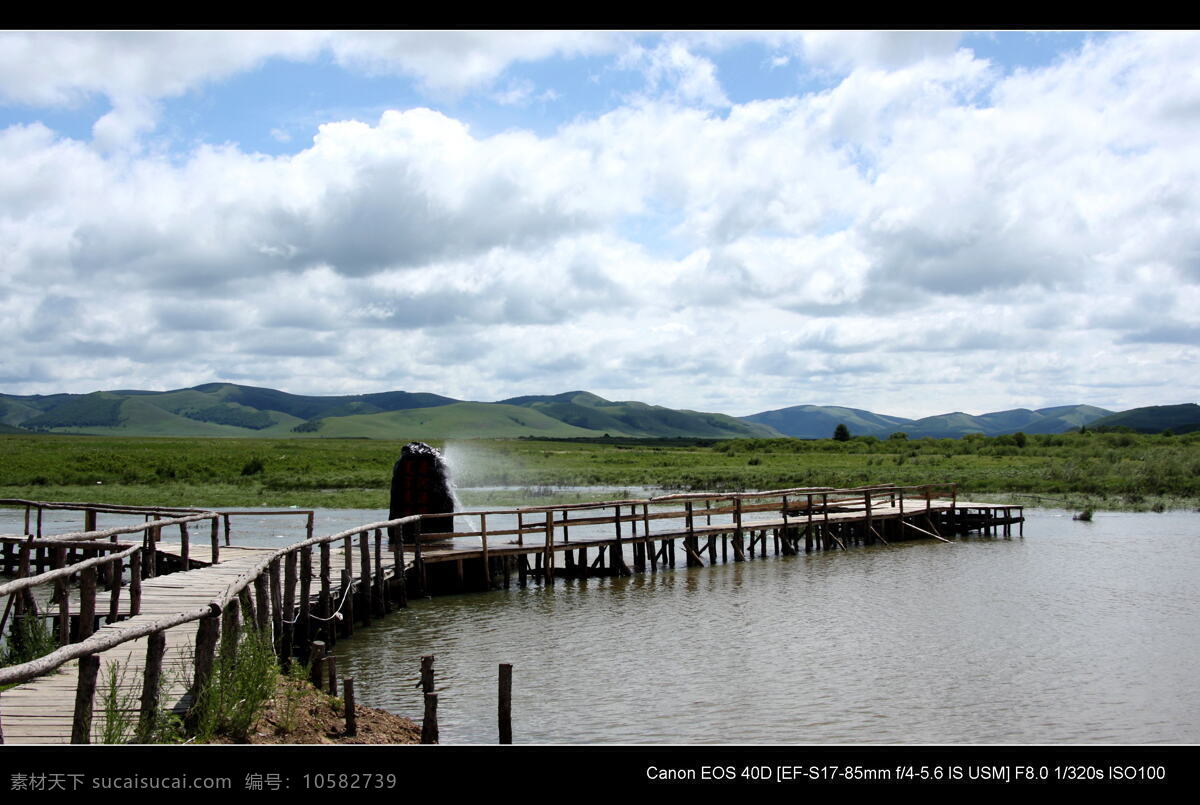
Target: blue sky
{"points": [[909, 222]]}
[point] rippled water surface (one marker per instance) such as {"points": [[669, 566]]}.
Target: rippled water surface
{"points": [[1077, 633]]}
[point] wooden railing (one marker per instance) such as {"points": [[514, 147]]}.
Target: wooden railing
{"points": [[793, 507], [274, 605], [276, 593]]}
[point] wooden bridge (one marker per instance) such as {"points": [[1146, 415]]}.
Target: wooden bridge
{"points": [[171, 604]]}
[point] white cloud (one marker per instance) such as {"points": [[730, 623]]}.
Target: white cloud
{"points": [[1026, 239], [887, 50]]}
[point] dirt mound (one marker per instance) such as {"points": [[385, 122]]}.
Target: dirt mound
{"points": [[301, 714]]}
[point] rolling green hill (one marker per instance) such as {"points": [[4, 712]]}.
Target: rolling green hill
{"points": [[818, 421], [462, 420], [1183, 418], [233, 411], [585, 410], [230, 410]]}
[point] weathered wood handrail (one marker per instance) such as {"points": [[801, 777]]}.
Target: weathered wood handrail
{"points": [[28, 582], [84, 536], [842, 498], [105, 640]]}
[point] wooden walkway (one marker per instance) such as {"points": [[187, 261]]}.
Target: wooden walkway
{"points": [[42, 711]]}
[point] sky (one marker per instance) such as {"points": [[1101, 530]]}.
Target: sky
{"points": [[733, 221]]}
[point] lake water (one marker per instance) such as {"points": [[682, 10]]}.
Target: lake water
{"points": [[1077, 633]]}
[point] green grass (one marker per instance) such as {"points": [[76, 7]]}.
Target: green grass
{"points": [[243, 681], [450, 421], [29, 637], [1105, 470]]}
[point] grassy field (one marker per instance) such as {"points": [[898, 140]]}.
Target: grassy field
{"points": [[1103, 470]]}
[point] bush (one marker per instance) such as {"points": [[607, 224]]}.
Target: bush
{"points": [[28, 638], [254, 466], [242, 682]]}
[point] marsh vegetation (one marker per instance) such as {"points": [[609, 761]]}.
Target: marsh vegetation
{"points": [[1104, 470]]}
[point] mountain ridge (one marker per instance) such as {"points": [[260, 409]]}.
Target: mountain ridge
{"points": [[221, 409]]}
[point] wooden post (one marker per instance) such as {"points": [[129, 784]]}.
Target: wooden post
{"points": [[487, 565], [249, 610], [345, 627], [206, 652], [289, 605], [399, 582], [378, 591], [649, 542], [418, 562], [690, 541], [347, 622], [154, 534], [365, 581], [325, 602], [184, 547], [426, 683], [331, 669], [825, 522], [39, 521], [114, 599], [64, 600], [348, 703], [789, 547], [24, 599], [548, 567], [85, 694], [87, 601], [262, 605], [316, 654], [739, 554], [215, 539], [868, 532], [230, 623], [505, 714], [156, 646], [429, 725], [135, 584], [276, 605]]}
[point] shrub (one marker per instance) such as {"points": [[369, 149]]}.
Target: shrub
{"points": [[120, 706], [243, 680], [254, 466], [28, 638]]}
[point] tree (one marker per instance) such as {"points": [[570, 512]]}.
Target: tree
{"points": [[841, 433]]}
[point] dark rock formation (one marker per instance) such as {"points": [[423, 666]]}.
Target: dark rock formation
{"points": [[421, 485]]}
